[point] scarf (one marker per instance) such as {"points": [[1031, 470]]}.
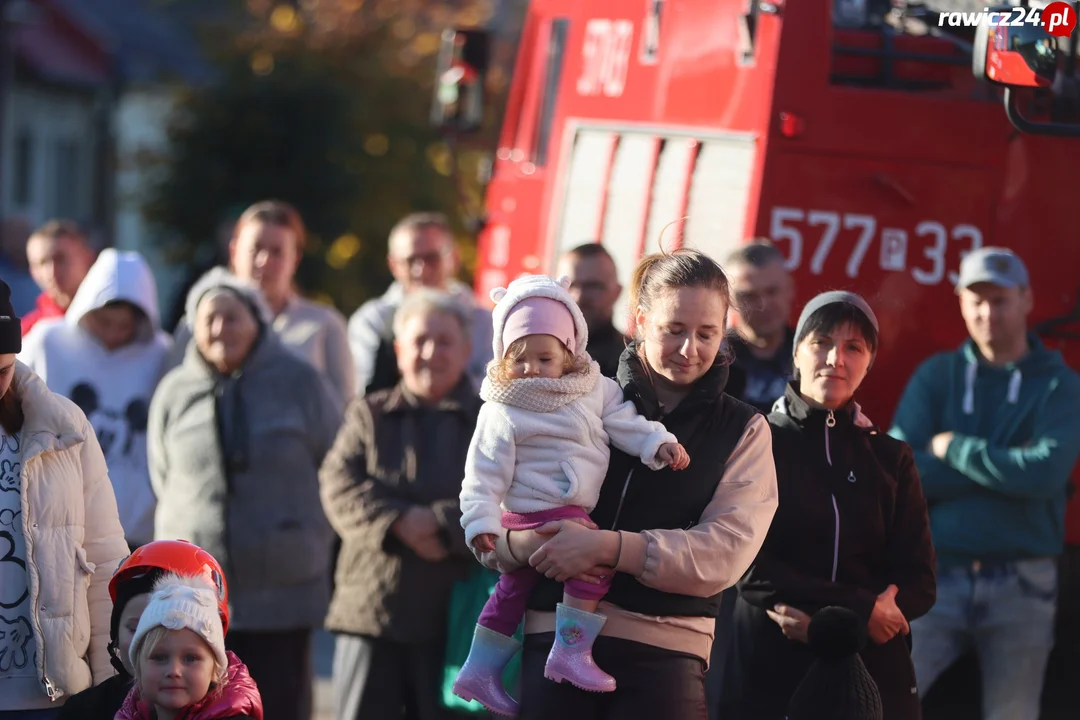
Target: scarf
{"points": [[541, 394]]}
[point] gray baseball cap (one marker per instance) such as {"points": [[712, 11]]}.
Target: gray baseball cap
{"points": [[995, 265]]}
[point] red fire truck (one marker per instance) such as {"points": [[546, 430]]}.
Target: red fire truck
{"points": [[855, 136]]}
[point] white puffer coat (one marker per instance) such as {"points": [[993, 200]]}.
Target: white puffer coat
{"points": [[74, 538]]}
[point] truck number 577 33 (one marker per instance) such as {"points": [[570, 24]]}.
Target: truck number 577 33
{"points": [[926, 244]]}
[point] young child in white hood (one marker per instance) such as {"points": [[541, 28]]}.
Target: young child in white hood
{"points": [[539, 454], [107, 355]]}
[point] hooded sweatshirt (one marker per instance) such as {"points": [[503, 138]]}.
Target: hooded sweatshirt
{"points": [[1000, 492], [113, 387]]}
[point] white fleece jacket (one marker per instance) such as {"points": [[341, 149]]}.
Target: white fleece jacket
{"points": [[523, 461]]}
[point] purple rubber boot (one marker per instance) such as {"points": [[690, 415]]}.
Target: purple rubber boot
{"points": [[480, 678], [570, 659]]}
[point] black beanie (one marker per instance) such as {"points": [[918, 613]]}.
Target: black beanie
{"points": [[837, 686], [10, 325]]}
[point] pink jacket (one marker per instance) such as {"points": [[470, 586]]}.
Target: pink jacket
{"points": [[238, 698]]}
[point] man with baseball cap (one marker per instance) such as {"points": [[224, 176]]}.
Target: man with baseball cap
{"points": [[996, 434]]}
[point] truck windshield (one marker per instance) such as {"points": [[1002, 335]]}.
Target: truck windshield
{"points": [[904, 46]]}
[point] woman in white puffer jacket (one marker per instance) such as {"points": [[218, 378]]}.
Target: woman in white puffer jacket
{"points": [[60, 541]]}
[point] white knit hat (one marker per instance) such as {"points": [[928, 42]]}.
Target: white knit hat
{"points": [[533, 286], [180, 602]]}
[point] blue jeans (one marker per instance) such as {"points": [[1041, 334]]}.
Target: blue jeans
{"points": [[1006, 611]]}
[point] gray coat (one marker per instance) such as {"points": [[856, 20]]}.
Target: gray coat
{"points": [[234, 462]]}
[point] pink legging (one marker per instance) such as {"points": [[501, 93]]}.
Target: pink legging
{"points": [[506, 607]]}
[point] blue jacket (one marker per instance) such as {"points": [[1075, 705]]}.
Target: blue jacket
{"points": [[1001, 490]]}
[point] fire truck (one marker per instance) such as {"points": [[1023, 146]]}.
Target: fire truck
{"points": [[873, 143]]}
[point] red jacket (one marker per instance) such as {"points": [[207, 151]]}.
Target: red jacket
{"points": [[44, 309], [239, 698]]}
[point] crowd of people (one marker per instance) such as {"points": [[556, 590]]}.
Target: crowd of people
{"points": [[694, 519]]}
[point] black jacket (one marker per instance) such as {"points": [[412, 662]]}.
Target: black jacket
{"points": [[100, 702], [852, 520], [755, 381], [606, 346]]}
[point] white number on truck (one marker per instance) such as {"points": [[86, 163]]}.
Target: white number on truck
{"points": [[795, 231]]}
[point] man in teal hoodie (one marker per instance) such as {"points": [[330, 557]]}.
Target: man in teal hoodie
{"points": [[996, 432]]}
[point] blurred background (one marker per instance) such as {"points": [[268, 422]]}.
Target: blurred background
{"points": [[154, 123]]}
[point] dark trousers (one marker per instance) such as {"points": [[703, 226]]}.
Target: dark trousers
{"points": [[384, 680], [714, 678], [280, 663], [651, 683]]}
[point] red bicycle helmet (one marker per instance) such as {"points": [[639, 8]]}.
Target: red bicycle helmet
{"points": [[175, 556]]}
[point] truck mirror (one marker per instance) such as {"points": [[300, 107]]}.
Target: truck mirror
{"points": [[1016, 55], [461, 69]]}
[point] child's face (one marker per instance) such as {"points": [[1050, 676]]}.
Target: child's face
{"points": [[129, 623], [178, 672], [543, 356], [114, 325]]}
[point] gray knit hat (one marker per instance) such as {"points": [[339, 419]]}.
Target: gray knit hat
{"points": [[220, 278], [831, 298]]}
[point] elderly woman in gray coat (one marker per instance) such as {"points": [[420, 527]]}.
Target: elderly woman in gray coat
{"points": [[236, 436]]}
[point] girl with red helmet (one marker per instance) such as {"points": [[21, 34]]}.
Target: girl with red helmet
{"points": [[130, 590], [182, 669]]}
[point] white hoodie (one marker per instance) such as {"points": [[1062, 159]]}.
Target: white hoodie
{"points": [[114, 387]]}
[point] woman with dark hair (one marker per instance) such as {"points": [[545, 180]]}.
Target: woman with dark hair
{"points": [[851, 530], [670, 541]]}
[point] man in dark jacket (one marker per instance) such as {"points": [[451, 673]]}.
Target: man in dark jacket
{"points": [[761, 340], [762, 344], [390, 488], [594, 285]]}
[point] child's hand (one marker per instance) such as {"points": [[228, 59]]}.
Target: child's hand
{"points": [[484, 542], [674, 455]]}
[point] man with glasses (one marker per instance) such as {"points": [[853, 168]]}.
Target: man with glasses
{"points": [[421, 254]]}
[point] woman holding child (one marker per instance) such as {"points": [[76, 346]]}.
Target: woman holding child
{"points": [[670, 537]]}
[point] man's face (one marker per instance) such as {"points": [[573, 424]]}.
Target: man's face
{"points": [[432, 354], [763, 296], [996, 317], [422, 258], [593, 285], [58, 265], [268, 255]]}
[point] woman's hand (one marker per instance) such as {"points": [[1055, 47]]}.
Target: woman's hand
{"points": [[886, 620], [574, 550], [794, 623], [523, 543]]}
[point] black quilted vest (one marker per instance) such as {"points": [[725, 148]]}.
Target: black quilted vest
{"points": [[709, 424]]}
